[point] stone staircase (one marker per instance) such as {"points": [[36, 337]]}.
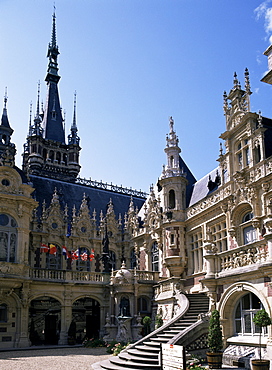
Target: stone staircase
{"points": [[144, 354]]}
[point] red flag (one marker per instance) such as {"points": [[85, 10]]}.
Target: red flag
{"points": [[92, 255], [44, 248], [84, 256], [53, 249], [75, 254]]}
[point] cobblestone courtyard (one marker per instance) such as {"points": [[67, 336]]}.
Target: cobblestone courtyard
{"points": [[56, 359]]}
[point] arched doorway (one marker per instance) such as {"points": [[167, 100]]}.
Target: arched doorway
{"points": [[44, 320], [86, 315]]}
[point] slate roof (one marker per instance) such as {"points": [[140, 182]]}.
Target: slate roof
{"points": [[191, 180], [72, 194], [200, 188]]}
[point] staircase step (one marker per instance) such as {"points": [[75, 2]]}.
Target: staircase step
{"points": [[131, 365], [147, 360], [139, 353], [145, 355]]}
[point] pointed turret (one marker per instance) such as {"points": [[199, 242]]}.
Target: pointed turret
{"points": [[7, 149], [172, 151], [52, 123], [45, 152], [73, 138]]}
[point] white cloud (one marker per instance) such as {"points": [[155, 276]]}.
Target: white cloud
{"points": [[263, 10]]}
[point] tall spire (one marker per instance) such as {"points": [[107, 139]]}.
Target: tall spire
{"points": [[7, 149], [4, 119], [52, 54], [73, 138], [52, 123]]}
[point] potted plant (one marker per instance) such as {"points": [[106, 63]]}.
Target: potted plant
{"points": [[158, 321], [262, 320], [147, 323], [215, 342]]}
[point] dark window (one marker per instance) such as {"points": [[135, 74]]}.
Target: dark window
{"points": [[8, 238], [3, 312], [155, 257], [172, 199]]}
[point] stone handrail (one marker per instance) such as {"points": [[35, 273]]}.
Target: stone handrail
{"points": [[183, 308], [243, 256], [62, 275]]}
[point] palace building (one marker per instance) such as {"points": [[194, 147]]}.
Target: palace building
{"points": [[82, 259]]}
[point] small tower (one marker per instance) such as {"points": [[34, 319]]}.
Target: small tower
{"points": [[45, 152], [7, 149], [173, 179]]}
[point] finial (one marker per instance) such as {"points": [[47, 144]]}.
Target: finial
{"points": [[74, 117], [260, 119], [54, 33], [236, 83], [247, 83], [38, 100], [171, 123], [30, 119], [64, 120], [5, 98], [221, 149], [225, 98]]}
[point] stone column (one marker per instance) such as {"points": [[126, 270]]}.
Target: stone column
{"points": [[66, 316]]}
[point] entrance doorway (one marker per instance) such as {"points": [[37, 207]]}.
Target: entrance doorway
{"points": [[86, 315], [44, 321]]}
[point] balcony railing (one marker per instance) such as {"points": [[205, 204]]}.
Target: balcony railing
{"points": [[68, 276], [246, 255], [86, 276]]}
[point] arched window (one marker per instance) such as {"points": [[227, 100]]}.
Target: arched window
{"points": [[53, 261], [65, 158], [142, 305], [155, 257], [8, 238], [133, 259], [246, 308], [58, 157], [44, 154], [51, 155], [124, 308], [171, 161], [3, 312], [172, 199], [249, 233]]}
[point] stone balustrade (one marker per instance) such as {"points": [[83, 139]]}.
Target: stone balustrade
{"points": [[62, 275], [84, 276], [243, 256]]}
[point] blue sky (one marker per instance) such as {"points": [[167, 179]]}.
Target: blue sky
{"points": [[133, 64]]}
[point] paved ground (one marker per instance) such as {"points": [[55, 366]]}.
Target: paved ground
{"points": [[70, 358]]}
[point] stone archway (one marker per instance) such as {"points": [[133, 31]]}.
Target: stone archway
{"points": [[86, 315], [230, 299], [44, 320]]}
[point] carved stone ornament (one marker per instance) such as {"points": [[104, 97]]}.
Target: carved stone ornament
{"points": [[265, 186], [232, 232], [210, 248]]}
